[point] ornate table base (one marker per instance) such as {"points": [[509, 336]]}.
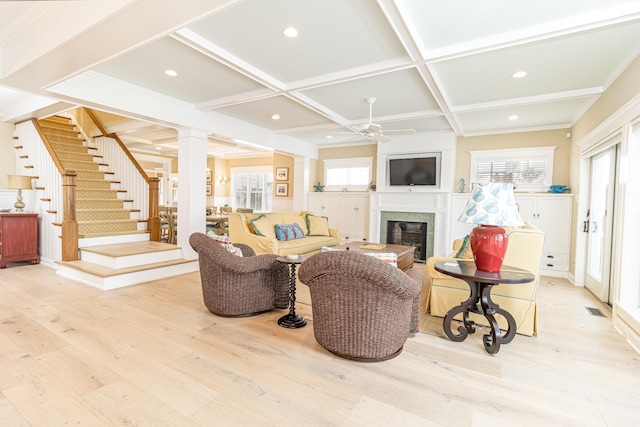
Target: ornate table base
{"points": [[292, 320], [480, 293]]}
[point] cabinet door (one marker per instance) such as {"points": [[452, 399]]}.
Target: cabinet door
{"points": [[354, 217], [527, 208], [332, 210], [322, 204], [554, 218]]}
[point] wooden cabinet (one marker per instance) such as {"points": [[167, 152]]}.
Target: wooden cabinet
{"points": [[552, 214], [18, 238], [348, 212]]}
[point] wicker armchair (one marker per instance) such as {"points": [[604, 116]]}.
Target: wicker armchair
{"points": [[239, 286], [363, 308]]}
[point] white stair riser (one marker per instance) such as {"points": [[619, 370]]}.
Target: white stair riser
{"points": [[129, 260], [112, 240], [122, 280]]}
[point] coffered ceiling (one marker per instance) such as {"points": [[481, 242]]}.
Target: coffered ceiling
{"points": [[432, 66]]}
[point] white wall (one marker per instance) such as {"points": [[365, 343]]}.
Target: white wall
{"points": [[8, 161]]}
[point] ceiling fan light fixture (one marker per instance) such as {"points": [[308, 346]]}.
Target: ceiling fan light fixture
{"points": [[171, 73], [290, 32], [519, 74]]}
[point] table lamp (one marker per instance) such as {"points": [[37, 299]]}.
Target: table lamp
{"points": [[19, 182], [490, 206]]}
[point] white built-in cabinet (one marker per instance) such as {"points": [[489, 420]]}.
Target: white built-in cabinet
{"points": [[551, 213], [348, 212]]}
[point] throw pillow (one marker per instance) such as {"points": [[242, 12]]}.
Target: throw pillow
{"points": [[226, 243], [317, 225], [329, 249], [388, 257], [463, 248], [289, 232], [263, 227]]}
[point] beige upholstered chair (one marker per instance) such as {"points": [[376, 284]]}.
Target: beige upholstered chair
{"points": [[363, 308], [244, 210], [239, 286], [225, 210], [441, 292]]}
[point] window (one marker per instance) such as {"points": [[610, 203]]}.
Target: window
{"points": [[252, 188], [529, 169], [352, 174]]}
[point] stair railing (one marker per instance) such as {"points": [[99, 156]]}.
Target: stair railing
{"points": [[57, 185]]}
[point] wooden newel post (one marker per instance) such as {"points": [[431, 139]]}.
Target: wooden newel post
{"points": [[154, 221], [69, 223]]}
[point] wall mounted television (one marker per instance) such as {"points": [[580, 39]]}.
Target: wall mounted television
{"points": [[411, 170]]}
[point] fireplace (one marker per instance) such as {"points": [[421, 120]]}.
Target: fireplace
{"points": [[409, 234], [409, 229]]}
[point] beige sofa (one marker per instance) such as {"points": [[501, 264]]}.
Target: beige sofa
{"points": [[441, 292], [242, 231]]}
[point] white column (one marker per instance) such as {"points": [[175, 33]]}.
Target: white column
{"points": [[192, 178], [301, 179]]}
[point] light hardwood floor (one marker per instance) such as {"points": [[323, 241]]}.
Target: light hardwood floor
{"points": [[151, 354]]}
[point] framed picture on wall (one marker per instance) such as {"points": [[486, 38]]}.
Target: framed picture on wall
{"points": [[282, 190], [282, 174], [209, 191], [208, 175]]}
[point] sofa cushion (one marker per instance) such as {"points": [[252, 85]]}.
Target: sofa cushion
{"points": [[317, 225], [263, 227], [307, 246], [288, 231]]}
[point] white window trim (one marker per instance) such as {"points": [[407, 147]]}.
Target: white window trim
{"points": [[348, 162], [530, 153]]}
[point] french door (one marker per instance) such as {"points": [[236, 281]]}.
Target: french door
{"points": [[600, 223]]}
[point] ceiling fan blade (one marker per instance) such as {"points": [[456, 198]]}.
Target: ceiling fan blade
{"points": [[400, 131], [373, 127], [381, 138]]}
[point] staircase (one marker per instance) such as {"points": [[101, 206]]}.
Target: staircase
{"points": [[114, 246]]}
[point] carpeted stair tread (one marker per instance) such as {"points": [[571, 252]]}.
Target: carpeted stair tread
{"points": [[102, 204], [102, 214], [112, 233]]}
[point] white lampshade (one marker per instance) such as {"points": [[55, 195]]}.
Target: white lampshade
{"points": [[492, 204], [19, 182]]}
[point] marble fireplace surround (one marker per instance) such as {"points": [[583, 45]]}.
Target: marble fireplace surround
{"points": [[408, 206]]}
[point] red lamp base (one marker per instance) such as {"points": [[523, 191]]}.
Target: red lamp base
{"points": [[489, 244]]}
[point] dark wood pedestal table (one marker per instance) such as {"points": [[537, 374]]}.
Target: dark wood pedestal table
{"points": [[480, 282], [292, 320]]}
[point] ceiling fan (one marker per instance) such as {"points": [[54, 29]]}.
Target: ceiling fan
{"points": [[373, 131]]}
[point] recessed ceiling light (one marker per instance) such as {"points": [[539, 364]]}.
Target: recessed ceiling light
{"points": [[519, 74], [275, 116], [158, 148], [170, 73], [290, 32], [329, 136], [513, 117]]}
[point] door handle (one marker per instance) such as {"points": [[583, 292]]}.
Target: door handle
{"points": [[595, 227]]}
